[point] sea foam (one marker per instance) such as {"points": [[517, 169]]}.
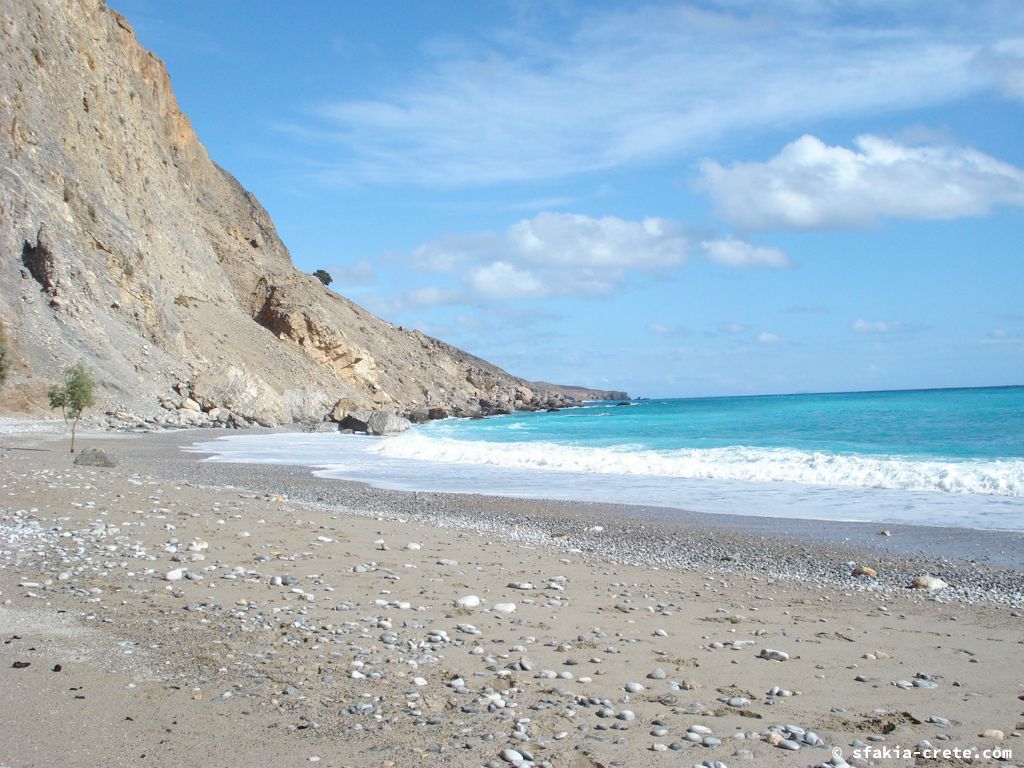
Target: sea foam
{"points": [[994, 477]]}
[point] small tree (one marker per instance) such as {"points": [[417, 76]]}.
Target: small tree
{"points": [[323, 276], [77, 394]]}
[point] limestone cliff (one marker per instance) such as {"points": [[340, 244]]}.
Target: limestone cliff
{"points": [[125, 246]]}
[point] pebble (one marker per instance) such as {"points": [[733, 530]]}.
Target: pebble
{"points": [[772, 655], [469, 601], [930, 583]]}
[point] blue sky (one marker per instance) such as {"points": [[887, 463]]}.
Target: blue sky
{"points": [[694, 198]]}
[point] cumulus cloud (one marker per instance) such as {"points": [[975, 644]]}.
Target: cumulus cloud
{"points": [[738, 253], [810, 185], [501, 280], [764, 337], [555, 254], [524, 103], [572, 240]]}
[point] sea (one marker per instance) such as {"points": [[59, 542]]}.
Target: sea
{"points": [[940, 457]]}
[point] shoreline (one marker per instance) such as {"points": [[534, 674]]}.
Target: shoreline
{"points": [[255, 614], [981, 564]]}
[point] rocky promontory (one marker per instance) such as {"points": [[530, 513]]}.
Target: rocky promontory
{"points": [[127, 248]]}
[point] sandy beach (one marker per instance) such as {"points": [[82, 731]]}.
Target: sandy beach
{"points": [[172, 612]]}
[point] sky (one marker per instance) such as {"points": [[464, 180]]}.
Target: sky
{"points": [[670, 198]]}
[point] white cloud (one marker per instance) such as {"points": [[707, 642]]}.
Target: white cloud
{"points": [[810, 185], [738, 253], [556, 253], [1000, 335], [433, 295], [572, 240], [768, 338], [1005, 60], [660, 329], [452, 252], [878, 326], [526, 102], [502, 280]]}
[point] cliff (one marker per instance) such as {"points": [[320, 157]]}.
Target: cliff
{"points": [[126, 247]]}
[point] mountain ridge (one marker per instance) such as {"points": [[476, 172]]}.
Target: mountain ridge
{"points": [[126, 247]]}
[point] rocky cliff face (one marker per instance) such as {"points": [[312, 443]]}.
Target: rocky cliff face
{"points": [[124, 246]]}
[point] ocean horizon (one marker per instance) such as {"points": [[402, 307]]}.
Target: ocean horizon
{"points": [[949, 457]]}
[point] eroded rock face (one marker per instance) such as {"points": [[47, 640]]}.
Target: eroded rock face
{"points": [[241, 392], [124, 247]]}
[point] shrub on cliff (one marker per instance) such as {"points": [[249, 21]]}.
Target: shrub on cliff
{"points": [[77, 394], [323, 276]]}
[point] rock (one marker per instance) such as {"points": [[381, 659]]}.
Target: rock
{"points": [[177, 574], [469, 601], [634, 688], [307, 403], [772, 655], [419, 416], [863, 570], [380, 423], [927, 582], [510, 755], [505, 608], [993, 733], [240, 391], [94, 457], [357, 421], [342, 408]]}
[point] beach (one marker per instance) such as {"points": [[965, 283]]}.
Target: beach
{"points": [[176, 612]]}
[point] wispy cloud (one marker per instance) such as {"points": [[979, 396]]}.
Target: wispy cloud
{"points": [[810, 185], [806, 309], [526, 104], [660, 329], [738, 253], [879, 326]]}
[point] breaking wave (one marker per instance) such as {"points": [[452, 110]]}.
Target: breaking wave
{"points": [[994, 477]]}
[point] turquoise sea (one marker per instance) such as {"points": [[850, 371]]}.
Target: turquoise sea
{"points": [[950, 457]]}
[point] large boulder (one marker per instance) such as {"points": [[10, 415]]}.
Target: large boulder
{"points": [[241, 392], [306, 403], [94, 457], [342, 408], [357, 421], [381, 423]]}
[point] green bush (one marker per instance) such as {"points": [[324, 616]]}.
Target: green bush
{"points": [[77, 394]]}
